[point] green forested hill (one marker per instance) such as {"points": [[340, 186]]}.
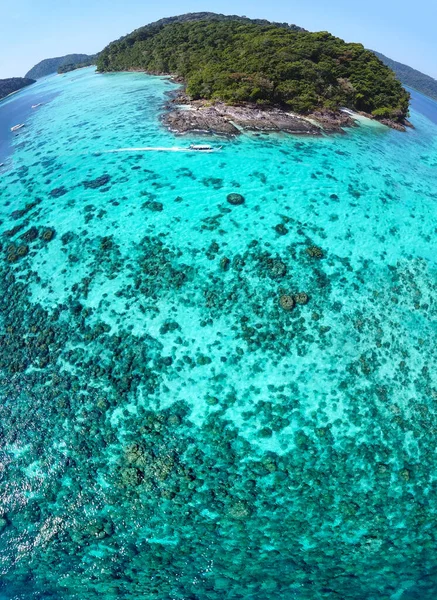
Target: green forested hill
{"points": [[409, 76], [67, 67], [236, 59], [8, 86], [51, 65]]}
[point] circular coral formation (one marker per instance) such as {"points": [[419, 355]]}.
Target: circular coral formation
{"points": [[301, 298], [286, 302], [314, 252], [235, 199], [22, 250], [48, 234], [12, 257]]}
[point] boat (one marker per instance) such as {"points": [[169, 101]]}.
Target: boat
{"points": [[17, 127], [203, 148], [36, 105], [2, 165]]}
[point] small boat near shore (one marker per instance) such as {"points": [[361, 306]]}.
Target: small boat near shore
{"points": [[203, 148], [17, 127], [36, 105]]}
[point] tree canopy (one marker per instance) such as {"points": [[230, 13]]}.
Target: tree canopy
{"points": [[239, 60], [66, 68], [51, 65], [412, 77]]}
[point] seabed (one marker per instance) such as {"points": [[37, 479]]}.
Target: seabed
{"points": [[205, 399]]}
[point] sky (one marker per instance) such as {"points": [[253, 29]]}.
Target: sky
{"points": [[31, 30]]}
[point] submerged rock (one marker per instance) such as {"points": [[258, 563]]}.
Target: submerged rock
{"points": [[235, 199]]}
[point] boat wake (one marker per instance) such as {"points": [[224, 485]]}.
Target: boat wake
{"points": [[159, 149], [145, 149]]}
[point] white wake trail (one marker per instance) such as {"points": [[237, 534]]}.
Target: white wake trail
{"points": [[146, 149]]}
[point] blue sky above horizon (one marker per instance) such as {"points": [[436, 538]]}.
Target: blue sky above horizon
{"points": [[33, 30]]}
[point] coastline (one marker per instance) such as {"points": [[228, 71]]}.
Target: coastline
{"points": [[186, 116], [15, 92], [10, 81], [183, 116]]}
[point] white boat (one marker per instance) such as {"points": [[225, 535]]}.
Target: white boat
{"points": [[203, 148], [36, 105], [17, 127]]}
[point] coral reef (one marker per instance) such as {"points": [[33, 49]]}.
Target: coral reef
{"points": [[314, 252], [193, 405], [98, 182], [301, 298], [286, 302], [48, 234]]}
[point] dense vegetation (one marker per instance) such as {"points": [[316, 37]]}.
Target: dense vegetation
{"points": [[237, 60], [7, 86], [51, 65], [409, 76], [78, 65]]}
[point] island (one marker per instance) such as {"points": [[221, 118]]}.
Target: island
{"points": [[13, 84], [52, 65], [412, 77], [237, 72], [66, 68]]}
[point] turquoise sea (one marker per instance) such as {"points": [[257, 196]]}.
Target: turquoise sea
{"points": [[167, 430]]}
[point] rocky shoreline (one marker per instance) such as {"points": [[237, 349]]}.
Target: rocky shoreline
{"points": [[185, 116]]}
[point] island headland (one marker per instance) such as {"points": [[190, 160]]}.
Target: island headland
{"points": [[60, 64], [240, 74]]}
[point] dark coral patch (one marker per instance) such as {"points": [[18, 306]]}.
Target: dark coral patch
{"points": [[58, 192], [97, 183], [235, 199], [30, 235], [153, 206]]}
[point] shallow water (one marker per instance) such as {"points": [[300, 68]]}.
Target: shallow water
{"points": [[167, 429]]}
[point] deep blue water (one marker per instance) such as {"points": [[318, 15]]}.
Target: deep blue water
{"points": [[421, 103], [17, 109]]}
